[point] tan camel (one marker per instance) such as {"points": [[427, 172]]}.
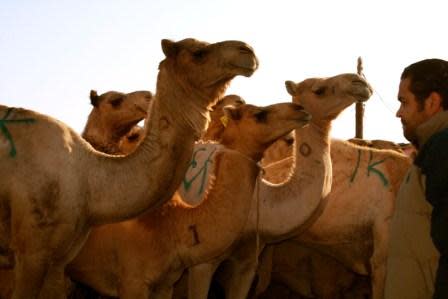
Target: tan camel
{"points": [[54, 186], [354, 225], [284, 209], [143, 257], [113, 117]]}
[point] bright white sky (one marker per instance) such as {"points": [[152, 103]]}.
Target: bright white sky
{"points": [[53, 52]]}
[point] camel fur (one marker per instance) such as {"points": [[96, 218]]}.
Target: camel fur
{"points": [[143, 257], [354, 225], [114, 115], [285, 208], [55, 186]]}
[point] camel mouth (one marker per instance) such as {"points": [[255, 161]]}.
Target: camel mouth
{"points": [[246, 65], [304, 119], [363, 91], [246, 69]]}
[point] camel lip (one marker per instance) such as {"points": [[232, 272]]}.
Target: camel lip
{"points": [[363, 96], [305, 119], [245, 70]]}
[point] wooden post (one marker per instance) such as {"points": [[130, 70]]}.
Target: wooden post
{"points": [[359, 107]]}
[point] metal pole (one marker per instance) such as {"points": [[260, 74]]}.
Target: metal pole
{"points": [[359, 107]]}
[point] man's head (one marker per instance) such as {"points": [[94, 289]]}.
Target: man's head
{"points": [[422, 93]]}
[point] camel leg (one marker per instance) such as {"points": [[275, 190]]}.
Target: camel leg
{"points": [[264, 270], [199, 279], [54, 286], [379, 259], [241, 281], [30, 272]]}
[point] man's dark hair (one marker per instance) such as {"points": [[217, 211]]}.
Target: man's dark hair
{"points": [[427, 76]]}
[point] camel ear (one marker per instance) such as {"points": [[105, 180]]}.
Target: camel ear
{"points": [[290, 87], [232, 112], [94, 98], [169, 48]]}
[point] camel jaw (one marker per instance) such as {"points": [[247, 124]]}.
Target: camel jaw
{"points": [[246, 68], [362, 90]]}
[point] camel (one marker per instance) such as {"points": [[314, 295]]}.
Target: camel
{"points": [[143, 257], [286, 208], [354, 225], [114, 115], [55, 186]]}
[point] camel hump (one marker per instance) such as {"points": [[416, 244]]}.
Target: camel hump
{"points": [[197, 179]]}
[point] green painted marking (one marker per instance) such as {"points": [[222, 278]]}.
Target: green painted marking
{"points": [[371, 168], [5, 131], [408, 177], [203, 170], [352, 178]]}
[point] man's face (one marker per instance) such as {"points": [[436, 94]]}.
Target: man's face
{"points": [[410, 112]]}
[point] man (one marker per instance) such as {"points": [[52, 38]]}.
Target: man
{"points": [[417, 265]]}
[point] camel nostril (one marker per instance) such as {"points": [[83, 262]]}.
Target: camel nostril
{"points": [[246, 49], [299, 107]]}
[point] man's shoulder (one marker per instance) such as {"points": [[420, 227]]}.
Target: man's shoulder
{"points": [[438, 139], [435, 149]]}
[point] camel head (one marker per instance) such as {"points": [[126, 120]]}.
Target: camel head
{"points": [[216, 125], [203, 68], [326, 98], [119, 111], [251, 129]]}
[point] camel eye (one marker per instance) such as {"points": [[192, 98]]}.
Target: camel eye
{"points": [[199, 54], [133, 137], [261, 116], [320, 91], [116, 102]]}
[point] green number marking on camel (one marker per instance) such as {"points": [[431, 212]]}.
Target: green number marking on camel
{"points": [[202, 171], [5, 131], [371, 169]]}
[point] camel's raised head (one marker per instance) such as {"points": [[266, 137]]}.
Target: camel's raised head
{"points": [[120, 110], [251, 129], [325, 98], [207, 67]]}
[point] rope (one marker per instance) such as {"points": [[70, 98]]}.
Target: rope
{"points": [[257, 222]]}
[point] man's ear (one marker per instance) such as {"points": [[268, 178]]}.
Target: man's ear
{"points": [[433, 103]]}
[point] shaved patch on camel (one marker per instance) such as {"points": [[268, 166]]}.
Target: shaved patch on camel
{"points": [[197, 178]]}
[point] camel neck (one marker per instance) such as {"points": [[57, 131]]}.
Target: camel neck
{"points": [[206, 230], [287, 206], [124, 187]]}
